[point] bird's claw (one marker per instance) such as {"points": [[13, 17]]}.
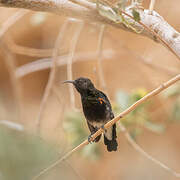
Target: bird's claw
{"points": [[103, 128], [90, 138]]}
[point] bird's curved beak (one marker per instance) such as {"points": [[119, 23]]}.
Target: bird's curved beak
{"points": [[68, 81]]}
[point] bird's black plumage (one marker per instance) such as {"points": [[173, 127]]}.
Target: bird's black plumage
{"points": [[97, 110]]}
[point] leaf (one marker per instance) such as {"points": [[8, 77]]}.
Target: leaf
{"points": [[122, 99], [136, 15], [176, 111], [122, 4], [108, 13], [73, 126], [172, 91], [138, 94], [23, 155]]}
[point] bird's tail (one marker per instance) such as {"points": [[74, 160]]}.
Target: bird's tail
{"points": [[110, 138]]}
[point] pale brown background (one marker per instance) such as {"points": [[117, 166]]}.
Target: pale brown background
{"points": [[124, 71]]}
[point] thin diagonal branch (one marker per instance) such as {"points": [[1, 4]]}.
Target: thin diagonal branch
{"points": [[52, 75], [11, 21], [120, 116], [145, 154]]}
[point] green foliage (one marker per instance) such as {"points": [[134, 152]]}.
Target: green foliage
{"points": [[22, 156], [114, 13], [173, 93], [138, 119], [175, 115], [74, 126], [136, 15], [76, 130]]}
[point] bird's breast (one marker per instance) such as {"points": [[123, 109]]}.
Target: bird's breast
{"points": [[95, 111]]}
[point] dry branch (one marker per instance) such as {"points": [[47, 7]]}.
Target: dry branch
{"points": [[70, 60], [11, 21], [27, 51], [116, 119], [10, 62], [46, 63], [52, 75], [100, 58], [87, 10]]}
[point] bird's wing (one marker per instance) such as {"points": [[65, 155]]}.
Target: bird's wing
{"points": [[106, 100]]}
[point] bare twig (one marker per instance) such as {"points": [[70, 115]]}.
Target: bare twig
{"points": [[11, 21], [151, 6], [161, 68], [46, 63], [99, 58], [52, 75], [70, 61], [75, 171], [84, 3], [10, 59], [16, 86], [141, 151], [110, 123], [27, 51]]}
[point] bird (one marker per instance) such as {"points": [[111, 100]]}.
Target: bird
{"points": [[97, 111]]}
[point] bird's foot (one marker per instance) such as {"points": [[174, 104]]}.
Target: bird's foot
{"points": [[103, 128], [90, 138]]}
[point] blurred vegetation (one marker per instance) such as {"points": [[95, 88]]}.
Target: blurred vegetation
{"points": [[173, 93], [23, 155], [76, 132], [140, 118]]}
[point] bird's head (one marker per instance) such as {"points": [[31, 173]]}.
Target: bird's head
{"points": [[83, 85]]}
